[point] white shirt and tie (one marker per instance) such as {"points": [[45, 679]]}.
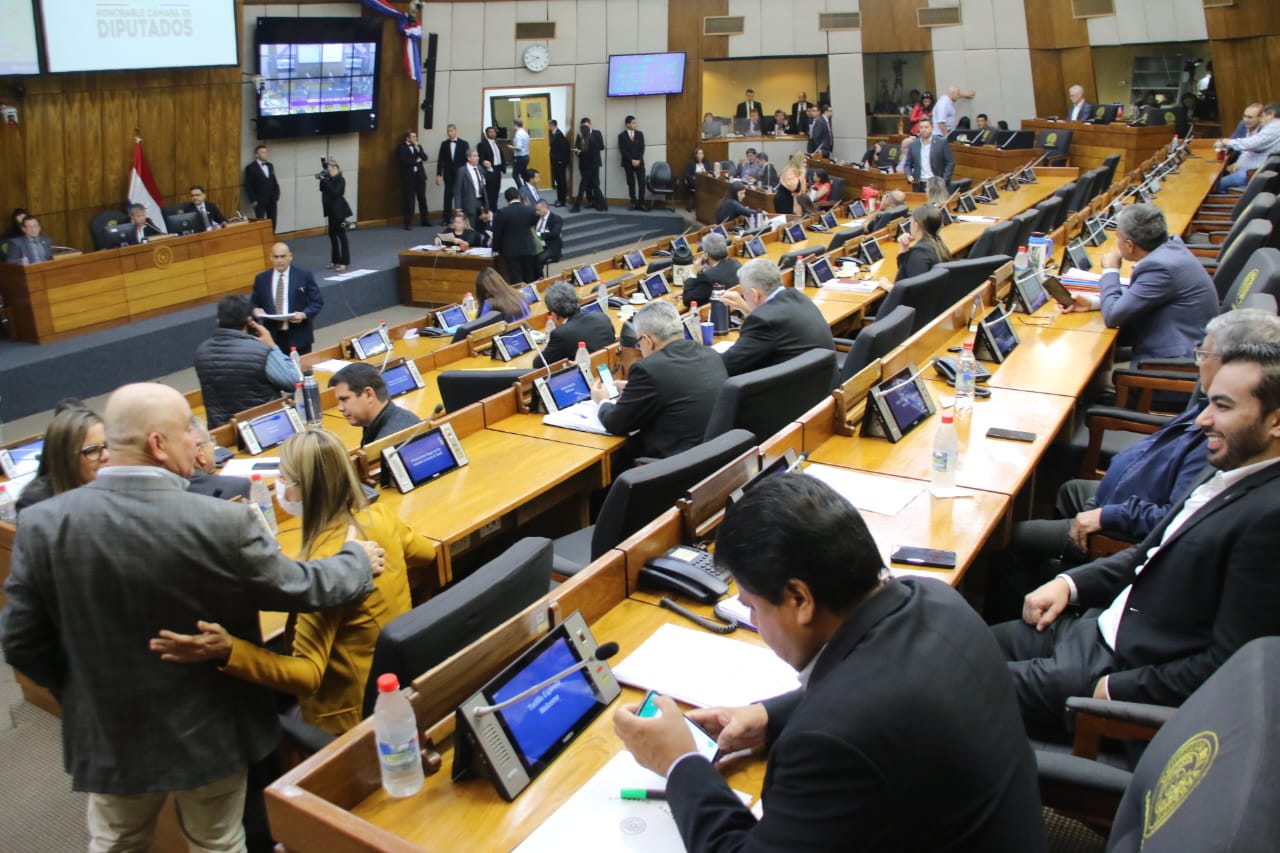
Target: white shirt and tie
{"points": [[1077, 111], [280, 296]]}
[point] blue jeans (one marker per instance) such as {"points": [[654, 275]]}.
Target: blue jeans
{"points": [[1238, 178]]}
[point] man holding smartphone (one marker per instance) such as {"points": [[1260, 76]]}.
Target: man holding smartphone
{"points": [[668, 396]]}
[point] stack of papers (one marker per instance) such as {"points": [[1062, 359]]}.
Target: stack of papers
{"points": [[581, 416], [332, 365], [868, 492]]}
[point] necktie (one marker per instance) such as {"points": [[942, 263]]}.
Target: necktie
{"points": [[280, 299], [542, 225], [205, 216], [479, 184]]}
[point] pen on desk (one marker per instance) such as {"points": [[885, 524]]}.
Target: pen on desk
{"points": [[643, 794]]}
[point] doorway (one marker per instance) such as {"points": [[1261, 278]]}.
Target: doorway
{"points": [[534, 110]]}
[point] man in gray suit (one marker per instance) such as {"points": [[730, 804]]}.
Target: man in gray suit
{"points": [[100, 570], [32, 247]]}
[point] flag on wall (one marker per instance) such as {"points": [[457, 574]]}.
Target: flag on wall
{"points": [[142, 187], [411, 29]]}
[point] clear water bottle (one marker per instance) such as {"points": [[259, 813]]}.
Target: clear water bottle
{"points": [[966, 369], [719, 311], [798, 281], [8, 508], [311, 400], [946, 454], [602, 296], [1021, 263], [396, 730], [299, 402], [582, 358], [297, 361], [261, 495], [469, 305]]}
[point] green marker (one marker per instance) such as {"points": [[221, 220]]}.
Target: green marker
{"points": [[643, 794]]}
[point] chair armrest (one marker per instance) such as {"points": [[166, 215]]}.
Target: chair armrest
{"points": [[843, 344], [1101, 545], [305, 736], [1071, 771], [1144, 383], [1056, 159], [1100, 419], [1169, 365], [1096, 719]]}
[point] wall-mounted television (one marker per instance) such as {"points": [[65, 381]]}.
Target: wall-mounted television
{"points": [[632, 74], [18, 54], [319, 75], [124, 35]]}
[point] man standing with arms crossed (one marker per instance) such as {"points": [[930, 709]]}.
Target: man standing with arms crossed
{"points": [[263, 187], [413, 177], [631, 147]]}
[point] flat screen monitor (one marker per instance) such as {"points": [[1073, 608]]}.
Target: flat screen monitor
{"points": [[585, 275], [530, 294], [633, 260], [793, 233], [370, 343], [655, 285], [1028, 291], [679, 243], [632, 74], [512, 343], [718, 229], [1105, 113], [117, 235], [18, 54], [897, 405], [563, 388], [319, 75], [127, 35], [23, 458], [187, 222], [857, 209], [266, 431], [401, 376], [871, 252], [828, 220], [424, 457], [1076, 256], [592, 307], [996, 337]]}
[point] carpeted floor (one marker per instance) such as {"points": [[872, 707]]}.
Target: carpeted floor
{"points": [[38, 810]]}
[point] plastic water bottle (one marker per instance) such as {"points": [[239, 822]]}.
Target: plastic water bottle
{"points": [[297, 361], [469, 305], [1021, 263], [311, 400], [602, 296], [396, 729], [299, 402], [8, 509], [966, 368], [582, 358], [719, 311], [261, 495], [946, 454], [798, 281]]}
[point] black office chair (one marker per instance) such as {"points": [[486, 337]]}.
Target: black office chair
{"points": [[1263, 206], [435, 630], [965, 274], [836, 196], [661, 183], [488, 318], [764, 401], [1256, 235], [1206, 778], [641, 494], [1260, 274], [962, 185], [1086, 189], [926, 293], [1021, 232], [844, 235], [99, 224], [1056, 144], [994, 240], [876, 341], [1053, 213], [1109, 165], [461, 388], [887, 216], [1065, 192]]}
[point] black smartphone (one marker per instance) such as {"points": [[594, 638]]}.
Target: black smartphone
{"points": [[1011, 434], [933, 557]]}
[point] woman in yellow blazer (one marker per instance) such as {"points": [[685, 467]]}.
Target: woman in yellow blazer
{"points": [[332, 649]]}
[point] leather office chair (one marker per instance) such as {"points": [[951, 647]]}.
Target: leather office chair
{"points": [[661, 183], [1056, 144], [1206, 778], [836, 196], [1109, 166], [641, 494], [1260, 274], [965, 274], [875, 341], [995, 240], [461, 388], [488, 318], [887, 216], [1053, 212], [764, 401], [1021, 233], [1065, 192], [1254, 236], [926, 293], [415, 642], [99, 224], [1086, 189]]}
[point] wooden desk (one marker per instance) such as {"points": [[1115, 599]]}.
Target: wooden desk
{"points": [[1093, 143], [63, 298], [855, 178], [984, 161], [439, 278], [710, 190]]}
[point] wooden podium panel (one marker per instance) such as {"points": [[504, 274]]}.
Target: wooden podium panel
{"points": [[984, 161], [1093, 143], [71, 296], [439, 278]]}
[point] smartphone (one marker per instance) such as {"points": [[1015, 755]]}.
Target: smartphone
{"points": [[606, 377], [1011, 434], [934, 557], [703, 742]]}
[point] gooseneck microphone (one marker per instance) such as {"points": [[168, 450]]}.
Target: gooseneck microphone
{"points": [[603, 652]]}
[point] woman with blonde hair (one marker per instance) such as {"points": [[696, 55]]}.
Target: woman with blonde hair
{"points": [[496, 295], [791, 185], [75, 447], [332, 650]]}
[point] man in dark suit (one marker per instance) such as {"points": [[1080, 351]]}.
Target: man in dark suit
{"points": [[779, 125], [1079, 109], [781, 322], [513, 238], [559, 145], [928, 156], [866, 753], [589, 146], [142, 229], [471, 189], [528, 187], [262, 186], [412, 161], [205, 479], [286, 289], [820, 141], [93, 581], [32, 247], [451, 157], [494, 166], [210, 217], [1162, 615], [714, 267], [747, 105], [548, 228], [800, 113], [364, 401], [572, 326], [631, 148], [982, 134], [668, 396]]}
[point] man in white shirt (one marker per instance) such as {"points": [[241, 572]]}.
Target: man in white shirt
{"points": [[520, 150], [1261, 141], [1164, 614], [1080, 110], [944, 111]]}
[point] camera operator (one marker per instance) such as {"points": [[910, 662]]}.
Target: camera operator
{"points": [[333, 188]]}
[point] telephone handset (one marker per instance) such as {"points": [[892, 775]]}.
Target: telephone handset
{"points": [[688, 571]]}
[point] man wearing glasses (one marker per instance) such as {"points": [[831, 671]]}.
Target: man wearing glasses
{"points": [[204, 480]]}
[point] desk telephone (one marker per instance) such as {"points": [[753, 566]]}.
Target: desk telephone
{"points": [[947, 368], [688, 571]]}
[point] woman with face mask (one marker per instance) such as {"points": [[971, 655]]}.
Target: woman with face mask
{"points": [[332, 649]]}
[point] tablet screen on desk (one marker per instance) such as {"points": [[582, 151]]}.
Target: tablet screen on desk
{"points": [[448, 318], [829, 220], [427, 457], [513, 342], [999, 335], [399, 378], [857, 209], [906, 402], [755, 247], [272, 428], [871, 252], [679, 243], [821, 271], [1030, 292], [537, 724], [719, 229], [592, 307], [567, 387], [585, 275], [655, 285], [530, 293], [21, 458], [369, 344], [633, 260], [794, 233]]}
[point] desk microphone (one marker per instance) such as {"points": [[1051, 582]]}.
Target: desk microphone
{"points": [[904, 383], [604, 652]]}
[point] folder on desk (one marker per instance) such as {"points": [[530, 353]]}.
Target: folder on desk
{"points": [[581, 416]]}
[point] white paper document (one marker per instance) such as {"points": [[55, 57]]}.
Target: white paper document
{"points": [[330, 365], [343, 276], [706, 669], [273, 316], [581, 416], [267, 466], [722, 346], [868, 492], [597, 820]]}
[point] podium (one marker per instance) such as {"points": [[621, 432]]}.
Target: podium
{"points": [[1093, 143]]}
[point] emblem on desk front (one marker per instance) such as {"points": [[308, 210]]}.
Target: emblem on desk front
{"points": [[162, 256], [1051, 140], [1183, 772]]}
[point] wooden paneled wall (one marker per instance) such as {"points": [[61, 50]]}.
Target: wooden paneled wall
{"points": [[1244, 40], [890, 26], [1060, 55], [684, 111]]}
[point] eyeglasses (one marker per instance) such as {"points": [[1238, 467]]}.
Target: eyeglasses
{"points": [[1202, 355], [94, 451]]}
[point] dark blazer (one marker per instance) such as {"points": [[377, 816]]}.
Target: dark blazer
{"points": [[1163, 311], [411, 160], [1086, 111], [447, 167], [589, 157], [744, 111], [941, 160], [552, 242], [464, 191], [304, 296], [211, 210], [92, 581], [21, 247], [333, 197], [148, 230], [595, 329], [263, 190], [1211, 588], [559, 148], [820, 137], [491, 150], [512, 230], [917, 260], [698, 288], [800, 117], [787, 325], [731, 208], [870, 755], [631, 150], [218, 486], [668, 398]]}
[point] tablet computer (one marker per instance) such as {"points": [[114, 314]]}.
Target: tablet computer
{"points": [[857, 209], [563, 388], [633, 260], [947, 218], [1076, 256], [401, 376], [266, 431], [793, 233], [1094, 232], [820, 271], [754, 247], [370, 343], [679, 243], [530, 293], [512, 343], [592, 307], [451, 317], [828, 219], [585, 275], [424, 457], [897, 405], [1028, 292], [996, 337], [966, 204], [655, 285], [870, 252], [21, 458], [990, 191], [718, 229]]}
